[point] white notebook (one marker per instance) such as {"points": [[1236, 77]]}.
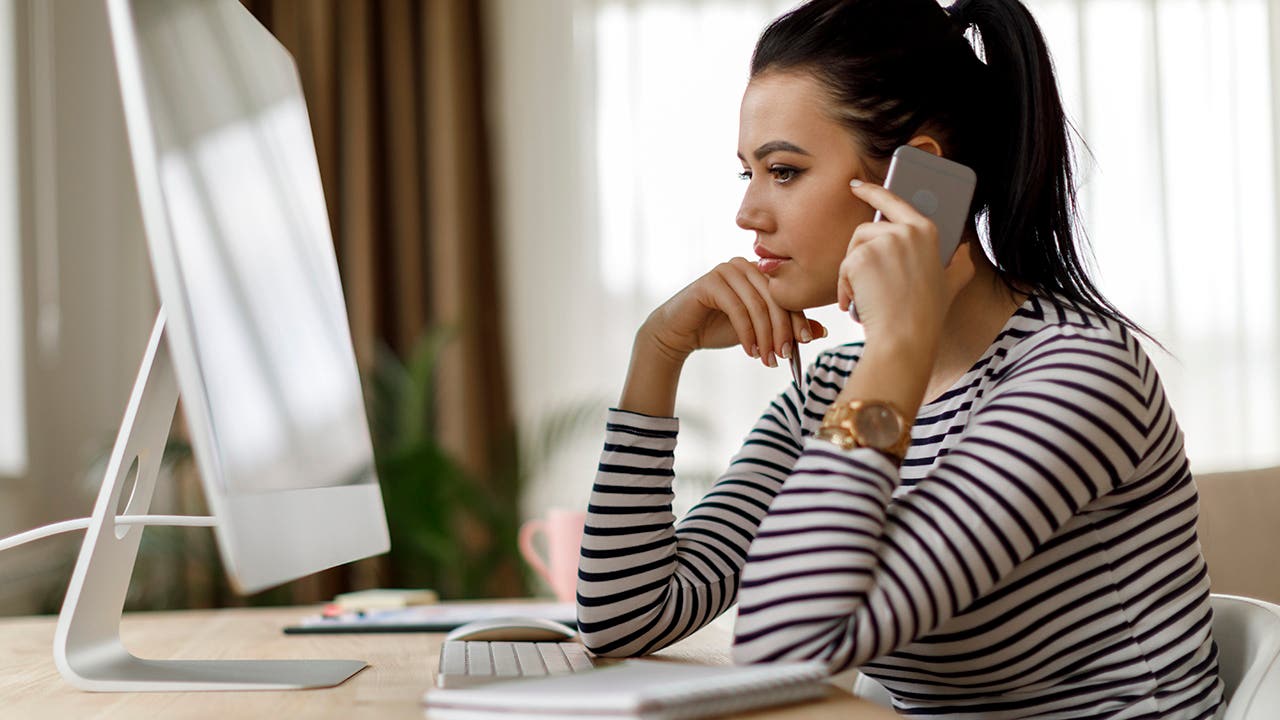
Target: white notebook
{"points": [[647, 689]]}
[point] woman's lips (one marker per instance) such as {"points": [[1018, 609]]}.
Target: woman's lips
{"points": [[769, 262]]}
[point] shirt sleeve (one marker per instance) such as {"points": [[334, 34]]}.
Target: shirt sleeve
{"points": [[838, 573], [644, 581]]}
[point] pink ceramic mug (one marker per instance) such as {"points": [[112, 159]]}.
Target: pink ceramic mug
{"points": [[563, 529]]}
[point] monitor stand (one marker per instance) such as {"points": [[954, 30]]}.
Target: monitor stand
{"points": [[87, 646]]}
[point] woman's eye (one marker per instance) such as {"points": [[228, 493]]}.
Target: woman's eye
{"points": [[783, 174]]}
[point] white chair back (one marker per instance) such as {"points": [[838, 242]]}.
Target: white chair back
{"points": [[1247, 632], [1248, 635], [868, 689]]}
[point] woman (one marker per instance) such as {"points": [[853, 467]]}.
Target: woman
{"points": [[986, 506]]}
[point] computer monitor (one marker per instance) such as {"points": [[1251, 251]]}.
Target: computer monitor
{"points": [[252, 333]]}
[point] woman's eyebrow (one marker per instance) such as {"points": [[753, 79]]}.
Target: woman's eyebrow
{"points": [[774, 146]]}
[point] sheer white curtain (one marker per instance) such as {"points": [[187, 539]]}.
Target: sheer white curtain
{"points": [[1173, 97], [13, 441]]}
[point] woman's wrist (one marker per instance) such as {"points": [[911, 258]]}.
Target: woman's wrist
{"points": [[652, 377], [896, 372], [648, 342]]}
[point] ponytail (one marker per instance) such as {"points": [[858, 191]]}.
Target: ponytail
{"points": [[1032, 214], [897, 68]]}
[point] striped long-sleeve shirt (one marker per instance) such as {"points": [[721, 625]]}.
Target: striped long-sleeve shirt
{"points": [[1035, 555]]}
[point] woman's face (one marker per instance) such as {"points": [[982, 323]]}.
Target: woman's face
{"points": [[799, 162]]}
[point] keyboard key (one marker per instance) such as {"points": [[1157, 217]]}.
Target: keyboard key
{"points": [[478, 660], [453, 661], [553, 656], [530, 659], [504, 659], [577, 656]]}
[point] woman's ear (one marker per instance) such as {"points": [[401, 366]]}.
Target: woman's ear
{"points": [[926, 143]]}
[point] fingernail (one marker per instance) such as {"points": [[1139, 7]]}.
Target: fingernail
{"points": [[805, 335], [771, 361], [755, 351], [824, 331], [855, 183], [786, 350]]}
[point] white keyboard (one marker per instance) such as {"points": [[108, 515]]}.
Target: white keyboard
{"points": [[464, 663]]}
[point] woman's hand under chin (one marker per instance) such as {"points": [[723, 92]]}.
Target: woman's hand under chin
{"points": [[891, 271], [729, 305]]}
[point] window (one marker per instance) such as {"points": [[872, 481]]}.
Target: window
{"points": [[13, 441], [1173, 97]]}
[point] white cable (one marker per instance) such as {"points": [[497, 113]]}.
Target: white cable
{"points": [[82, 523]]}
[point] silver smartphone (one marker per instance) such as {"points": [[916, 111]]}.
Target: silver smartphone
{"points": [[938, 188]]}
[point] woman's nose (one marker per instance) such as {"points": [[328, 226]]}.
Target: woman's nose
{"points": [[751, 216]]}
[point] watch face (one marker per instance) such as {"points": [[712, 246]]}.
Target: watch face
{"points": [[878, 426]]}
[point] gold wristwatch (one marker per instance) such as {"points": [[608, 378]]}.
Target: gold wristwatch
{"points": [[874, 424]]}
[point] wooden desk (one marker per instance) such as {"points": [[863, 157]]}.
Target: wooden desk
{"points": [[401, 667]]}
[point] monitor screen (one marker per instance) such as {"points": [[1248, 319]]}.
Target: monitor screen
{"points": [[244, 260], [251, 236]]}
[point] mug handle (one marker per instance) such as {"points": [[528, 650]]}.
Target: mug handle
{"points": [[530, 553]]}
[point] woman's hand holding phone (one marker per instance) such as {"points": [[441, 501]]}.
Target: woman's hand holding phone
{"points": [[730, 305], [903, 295], [902, 292], [933, 194]]}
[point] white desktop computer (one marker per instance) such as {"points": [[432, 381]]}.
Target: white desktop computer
{"points": [[252, 333]]}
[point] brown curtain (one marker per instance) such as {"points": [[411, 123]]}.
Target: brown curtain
{"points": [[393, 88]]}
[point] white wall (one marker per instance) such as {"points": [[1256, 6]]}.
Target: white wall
{"points": [[87, 289], [539, 168]]}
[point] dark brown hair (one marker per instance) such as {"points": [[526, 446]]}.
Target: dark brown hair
{"points": [[899, 68]]}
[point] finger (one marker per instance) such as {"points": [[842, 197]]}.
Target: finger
{"points": [[842, 293], [800, 328], [892, 207], [818, 329], [844, 282], [758, 309], [871, 232], [863, 234], [727, 301], [780, 324]]}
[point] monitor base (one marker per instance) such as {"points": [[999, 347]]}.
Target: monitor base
{"points": [[86, 644], [126, 673]]}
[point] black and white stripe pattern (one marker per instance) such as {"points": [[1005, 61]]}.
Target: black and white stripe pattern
{"points": [[1035, 556]]}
